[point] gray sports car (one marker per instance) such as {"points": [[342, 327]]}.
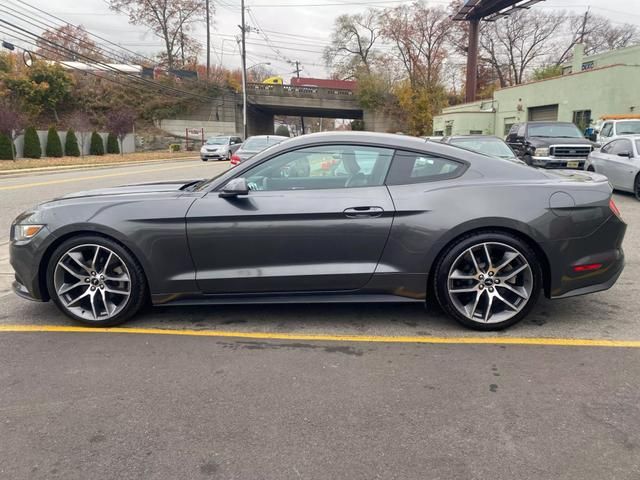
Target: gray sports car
{"points": [[401, 220], [619, 161]]}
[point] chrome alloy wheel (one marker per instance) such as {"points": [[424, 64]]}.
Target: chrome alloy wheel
{"points": [[92, 282], [490, 282]]}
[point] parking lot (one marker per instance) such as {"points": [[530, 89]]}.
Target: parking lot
{"points": [[315, 391]]}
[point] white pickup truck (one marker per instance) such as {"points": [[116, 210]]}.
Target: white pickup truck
{"points": [[611, 128]]}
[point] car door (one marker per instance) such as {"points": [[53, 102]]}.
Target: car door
{"points": [[515, 139], [299, 228], [235, 144], [620, 165]]}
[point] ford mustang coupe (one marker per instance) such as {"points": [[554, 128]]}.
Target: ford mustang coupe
{"points": [[329, 217]]}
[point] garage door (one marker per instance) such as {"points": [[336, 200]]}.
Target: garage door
{"points": [[547, 113]]}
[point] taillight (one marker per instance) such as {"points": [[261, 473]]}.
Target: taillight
{"points": [[587, 268], [235, 159], [614, 208]]}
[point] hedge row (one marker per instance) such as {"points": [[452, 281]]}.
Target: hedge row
{"points": [[32, 148]]}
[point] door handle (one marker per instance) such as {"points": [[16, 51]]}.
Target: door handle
{"points": [[363, 212]]}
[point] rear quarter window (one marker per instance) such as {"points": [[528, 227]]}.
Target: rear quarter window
{"points": [[410, 167]]}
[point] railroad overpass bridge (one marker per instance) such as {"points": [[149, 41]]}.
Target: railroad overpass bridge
{"points": [[264, 101]]}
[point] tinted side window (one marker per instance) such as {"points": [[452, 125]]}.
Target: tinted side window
{"points": [[607, 147], [621, 146], [408, 167], [322, 167]]}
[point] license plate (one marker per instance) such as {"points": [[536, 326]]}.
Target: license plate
{"points": [[573, 164]]}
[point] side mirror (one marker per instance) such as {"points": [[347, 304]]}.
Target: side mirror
{"points": [[626, 154], [235, 187]]}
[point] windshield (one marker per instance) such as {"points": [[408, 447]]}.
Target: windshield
{"points": [[555, 130], [628, 128], [489, 146], [218, 141], [257, 144]]}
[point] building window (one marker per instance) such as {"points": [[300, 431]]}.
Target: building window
{"points": [[508, 123], [438, 133], [582, 119], [475, 132], [448, 129], [587, 66]]}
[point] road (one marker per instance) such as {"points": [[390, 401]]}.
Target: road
{"points": [[285, 404]]}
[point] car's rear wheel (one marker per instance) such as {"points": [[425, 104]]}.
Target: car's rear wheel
{"points": [[488, 281], [636, 189], [95, 281]]}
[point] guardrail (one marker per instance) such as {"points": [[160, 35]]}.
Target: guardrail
{"points": [[307, 91]]}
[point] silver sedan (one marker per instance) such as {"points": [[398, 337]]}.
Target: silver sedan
{"points": [[619, 160]]}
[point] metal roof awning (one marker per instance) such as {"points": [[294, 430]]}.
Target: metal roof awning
{"points": [[490, 10]]}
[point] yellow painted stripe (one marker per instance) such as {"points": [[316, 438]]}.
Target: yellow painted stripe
{"points": [[565, 342], [93, 177]]}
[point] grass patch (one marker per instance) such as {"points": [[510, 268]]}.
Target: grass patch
{"points": [[91, 160]]}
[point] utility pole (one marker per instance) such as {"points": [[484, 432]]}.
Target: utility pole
{"points": [[243, 29], [208, 41], [297, 72]]}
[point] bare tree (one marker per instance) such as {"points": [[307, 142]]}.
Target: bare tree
{"points": [[12, 123], [419, 35], [512, 46], [353, 43], [81, 124], [120, 123], [170, 20]]}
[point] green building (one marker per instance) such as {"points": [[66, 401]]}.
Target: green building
{"points": [[590, 87]]}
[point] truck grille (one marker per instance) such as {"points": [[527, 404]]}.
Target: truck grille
{"points": [[570, 151]]}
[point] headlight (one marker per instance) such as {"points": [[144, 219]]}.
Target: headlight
{"points": [[203, 150], [25, 232], [541, 152]]}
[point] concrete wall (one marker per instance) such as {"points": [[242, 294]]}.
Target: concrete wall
{"points": [[624, 56], [608, 90], [128, 144], [381, 122], [211, 128]]}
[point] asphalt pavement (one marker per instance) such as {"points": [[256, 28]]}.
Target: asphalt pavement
{"points": [[282, 391]]}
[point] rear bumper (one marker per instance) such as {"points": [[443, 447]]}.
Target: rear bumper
{"points": [[603, 247]]}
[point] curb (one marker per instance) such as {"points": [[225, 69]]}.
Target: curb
{"points": [[62, 168]]}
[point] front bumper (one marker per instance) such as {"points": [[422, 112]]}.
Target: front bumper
{"points": [[552, 162], [26, 258], [213, 155]]}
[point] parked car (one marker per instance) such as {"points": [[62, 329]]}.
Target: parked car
{"points": [[549, 144], [254, 145], [619, 160], [423, 221], [612, 128], [486, 144], [219, 148]]}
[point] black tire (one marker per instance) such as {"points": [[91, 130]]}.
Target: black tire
{"points": [[528, 160], [453, 252], [138, 285], [204, 159], [636, 189], [591, 169]]}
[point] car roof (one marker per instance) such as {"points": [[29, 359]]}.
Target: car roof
{"points": [[266, 136], [455, 137]]}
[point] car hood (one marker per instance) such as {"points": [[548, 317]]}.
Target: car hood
{"points": [[156, 187], [547, 141]]}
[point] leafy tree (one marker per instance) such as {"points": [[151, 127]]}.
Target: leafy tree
{"points": [[119, 123], [170, 20], [357, 125], [7, 150], [32, 148], [97, 145], [68, 42], [112, 144], [418, 105], [549, 71], [71, 144], [54, 145], [282, 130]]}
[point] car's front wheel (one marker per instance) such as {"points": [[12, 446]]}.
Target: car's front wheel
{"points": [[488, 281], [96, 281], [636, 189]]}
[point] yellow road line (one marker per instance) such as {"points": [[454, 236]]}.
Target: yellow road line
{"points": [[565, 342], [92, 177]]}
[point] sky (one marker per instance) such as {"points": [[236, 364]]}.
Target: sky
{"points": [[287, 30]]}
